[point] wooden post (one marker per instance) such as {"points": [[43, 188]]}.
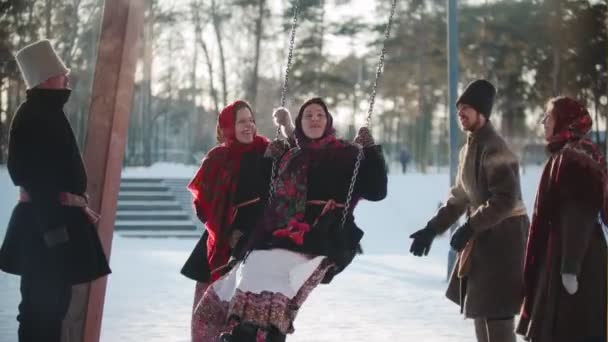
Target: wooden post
{"points": [[104, 148], [452, 95]]}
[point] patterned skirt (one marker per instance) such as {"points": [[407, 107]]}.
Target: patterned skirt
{"points": [[267, 290], [203, 331]]}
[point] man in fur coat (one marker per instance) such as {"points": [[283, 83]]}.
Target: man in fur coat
{"points": [[51, 240], [487, 278]]}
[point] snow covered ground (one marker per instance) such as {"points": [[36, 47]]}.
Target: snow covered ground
{"points": [[160, 170], [386, 295]]}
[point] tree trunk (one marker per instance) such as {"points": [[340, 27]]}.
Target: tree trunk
{"points": [[319, 68], [484, 53], [196, 8], [212, 90], [194, 117], [259, 32], [147, 123], [69, 50], [423, 105], [48, 18], [4, 125], [33, 33], [218, 36], [167, 108], [557, 47]]}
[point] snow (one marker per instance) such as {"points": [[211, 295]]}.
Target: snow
{"points": [[161, 170], [386, 294], [9, 284]]}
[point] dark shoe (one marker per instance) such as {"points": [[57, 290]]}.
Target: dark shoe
{"points": [[226, 337], [274, 335], [244, 332]]}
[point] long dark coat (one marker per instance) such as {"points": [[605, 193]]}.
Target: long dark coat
{"points": [[576, 245], [44, 159]]}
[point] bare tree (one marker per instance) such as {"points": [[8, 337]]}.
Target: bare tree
{"points": [[252, 91], [196, 9], [215, 18], [48, 18], [147, 114], [556, 18]]}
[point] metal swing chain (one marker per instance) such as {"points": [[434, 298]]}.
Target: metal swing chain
{"points": [[292, 40], [351, 187], [387, 33], [370, 110]]}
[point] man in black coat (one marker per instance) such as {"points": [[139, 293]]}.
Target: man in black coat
{"points": [[51, 240]]}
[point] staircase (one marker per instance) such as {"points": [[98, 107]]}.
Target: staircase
{"points": [[154, 207]]}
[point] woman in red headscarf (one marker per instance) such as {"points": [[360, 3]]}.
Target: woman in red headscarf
{"points": [[228, 193], [565, 266]]}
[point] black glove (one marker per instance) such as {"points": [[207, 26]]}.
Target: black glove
{"points": [[422, 241], [461, 236]]}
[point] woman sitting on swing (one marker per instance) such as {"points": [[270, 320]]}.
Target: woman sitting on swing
{"points": [[303, 239]]}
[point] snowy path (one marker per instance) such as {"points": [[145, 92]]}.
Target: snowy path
{"points": [[386, 295], [380, 298]]}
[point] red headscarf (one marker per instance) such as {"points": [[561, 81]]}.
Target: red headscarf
{"points": [[572, 121], [214, 185]]}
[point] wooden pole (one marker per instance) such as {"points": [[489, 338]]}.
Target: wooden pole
{"points": [[452, 95], [104, 148]]}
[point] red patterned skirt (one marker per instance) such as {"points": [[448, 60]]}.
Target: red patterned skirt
{"points": [[267, 290]]}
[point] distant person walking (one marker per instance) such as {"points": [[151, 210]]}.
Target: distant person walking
{"points": [[404, 158]]}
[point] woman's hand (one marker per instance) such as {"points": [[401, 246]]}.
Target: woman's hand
{"points": [[282, 118], [276, 149], [364, 137]]}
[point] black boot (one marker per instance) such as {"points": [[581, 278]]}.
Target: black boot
{"points": [[226, 337], [274, 335], [244, 332]]}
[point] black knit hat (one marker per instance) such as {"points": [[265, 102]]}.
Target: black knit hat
{"points": [[479, 94]]}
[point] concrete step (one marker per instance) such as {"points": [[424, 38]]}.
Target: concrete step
{"points": [[145, 196], [179, 188], [154, 225], [161, 234], [166, 215], [143, 187], [148, 206], [141, 180]]}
